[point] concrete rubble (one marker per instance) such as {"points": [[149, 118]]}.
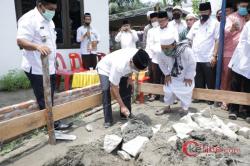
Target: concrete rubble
{"points": [[111, 142], [134, 146], [124, 155]]}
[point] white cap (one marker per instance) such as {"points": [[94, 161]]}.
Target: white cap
{"points": [[168, 39], [177, 8], [149, 12], [190, 15]]}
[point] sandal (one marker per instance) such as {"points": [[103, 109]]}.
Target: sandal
{"points": [[163, 111], [224, 106]]}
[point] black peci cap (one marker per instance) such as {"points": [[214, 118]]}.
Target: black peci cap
{"points": [[141, 59], [153, 15], [50, 1], [162, 14], [205, 6], [124, 22]]}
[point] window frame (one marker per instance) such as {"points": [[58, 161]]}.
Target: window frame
{"points": [[66, 27]]}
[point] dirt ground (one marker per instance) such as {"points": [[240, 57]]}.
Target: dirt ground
{"points": [[87, 148]]}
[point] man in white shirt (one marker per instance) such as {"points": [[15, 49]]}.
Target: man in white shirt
{"points": [[204, 35], [240, 65], [89, 39], [154, 46], [36, 35], [177, 21], [146, 29], [126, 36], [115, 71], [177, 62]]}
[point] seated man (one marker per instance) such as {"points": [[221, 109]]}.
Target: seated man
{"points": [[115, 72], [177, 62]]}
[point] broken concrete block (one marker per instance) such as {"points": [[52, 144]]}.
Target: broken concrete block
{"points": [[124, 155], [188, 120], [172, 140], [111, 142], [134, 146], [205, 123], [156, 128], [89, 128], [182, 130], [198, 136], [124, 126], [245, 132], [234, 127]]}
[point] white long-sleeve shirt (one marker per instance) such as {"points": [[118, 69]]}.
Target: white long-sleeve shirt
{"points": [[188, 62], [240, 62], [127, 39], [84, 43]]}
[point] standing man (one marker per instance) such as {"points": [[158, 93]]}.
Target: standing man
{"points": [[233, 28], [190, 20], [177, 21], [240, 65], [89, 38], [147, 28], [115, 72], [178, 65], [126, 36], [37, 37], [152, 42], [205, 36]]}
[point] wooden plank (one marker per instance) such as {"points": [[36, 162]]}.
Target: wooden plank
{"points": [[20, 125], [203, 94]]}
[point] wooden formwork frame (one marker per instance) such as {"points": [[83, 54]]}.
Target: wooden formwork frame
{"points": [[20, 125]]}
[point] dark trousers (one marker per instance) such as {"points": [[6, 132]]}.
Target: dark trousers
{"points": [[157, 74], [36, 82], [204, 76], [125, 93], [89, 60], [239, 83]]}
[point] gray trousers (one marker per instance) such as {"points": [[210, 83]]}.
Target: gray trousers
{"points": [[125, 92]]}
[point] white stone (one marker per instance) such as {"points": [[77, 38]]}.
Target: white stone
{"points": [[135, 146], [234, 127], [156, 128], [124, 155], [172, 140], [205, 123], [245, 132], [124, 126], [188, 120], [182, 130], [111, 142], [89, 128]]}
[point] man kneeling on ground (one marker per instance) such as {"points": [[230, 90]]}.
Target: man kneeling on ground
{"points": [[115, 71], [177, 62]]}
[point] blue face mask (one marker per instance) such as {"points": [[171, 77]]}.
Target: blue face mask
{"points": [[48, 14], [242, 11]]}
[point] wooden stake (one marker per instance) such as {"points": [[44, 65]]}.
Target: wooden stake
{"points": [[48, 100]]}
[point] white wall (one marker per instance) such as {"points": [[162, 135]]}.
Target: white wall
{"points": [[10, 55], [99, 10]]}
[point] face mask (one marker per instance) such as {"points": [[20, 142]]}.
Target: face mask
{"points": [[169, 52], [204, 17], [176, 16], [48, 14], [242, 11], [155, 24]]}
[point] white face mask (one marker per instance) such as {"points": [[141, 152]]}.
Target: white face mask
{"points": [[155, 24]]}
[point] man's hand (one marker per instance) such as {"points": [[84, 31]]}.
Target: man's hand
{"points": [[125, 111], [188, 82], [44, 50], [131, 82], [168, 80], [213, 61]]}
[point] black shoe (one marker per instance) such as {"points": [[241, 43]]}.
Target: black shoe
{"points": [[210, 102], [196, 101], [233, 115], [107, 124], [62, 126]]}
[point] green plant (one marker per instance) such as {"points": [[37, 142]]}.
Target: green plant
{"points": [[195, 5], [14, 80]]}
